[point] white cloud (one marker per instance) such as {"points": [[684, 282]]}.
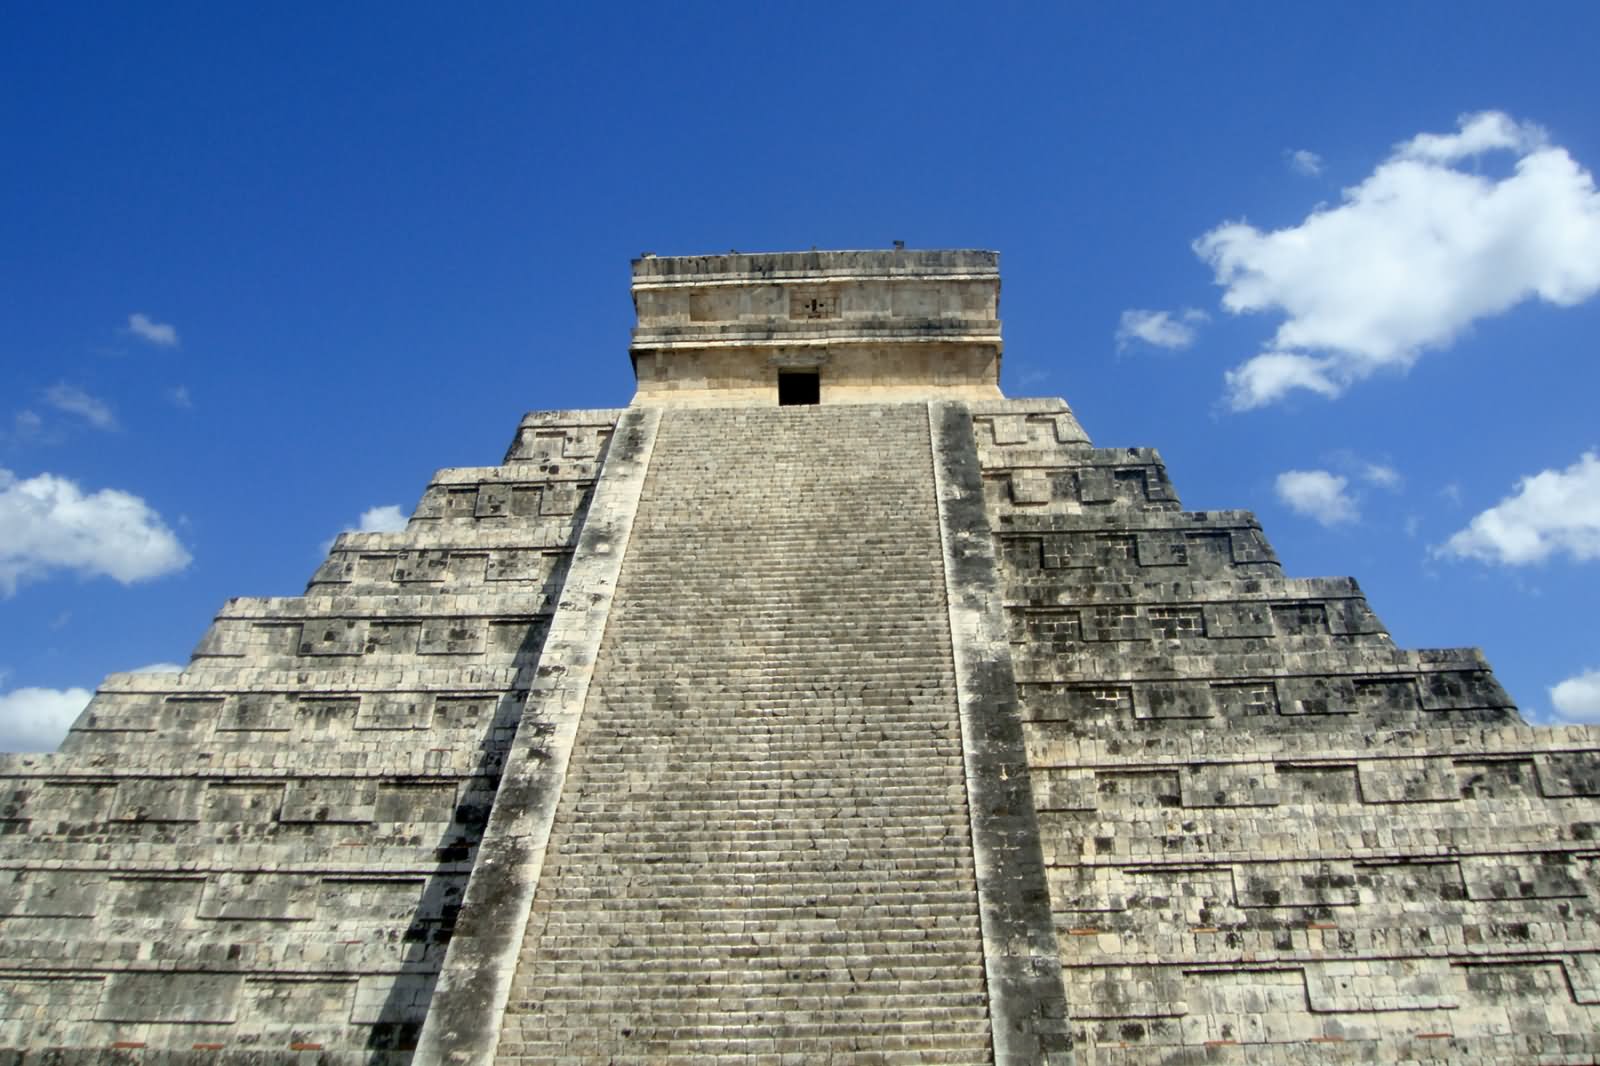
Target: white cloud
{"points": [[385, 519], [179, 395], [1381, 475], [35, 719], [74, 401], [26, 423], [158, 668], [1304, 162], [1552, 512], [1271, 375], [1409, 258], [1487, 131], [161, 334], [48, 523], [1317, 494], [1161, 329], [388, 519], [1577, 699]]}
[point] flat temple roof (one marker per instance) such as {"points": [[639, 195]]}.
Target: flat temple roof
{"points": [[652, 271]]}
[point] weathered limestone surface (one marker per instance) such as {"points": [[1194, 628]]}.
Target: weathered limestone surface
{"points": [[464, 1018], [262, 858], [909, 727], [1272, 836], [763, 845], [1027, 1008], [878, 327]]}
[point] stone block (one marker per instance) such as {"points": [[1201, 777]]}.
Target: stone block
{"points": [[259, 897], [1240, 619], [1296, 884], [1316, 695], [406, 802], [155, 799], [1548, 875], [1247, 699], [451, 636], [334, 800], [1230, 785], [242, 802], [299, 1001], [1447, 690], [257, 712], [50, 893], [1382, 985], [333, 636], [1030, 487], [369, 899], [171, 998], [1569, 773], [1409, 781], [422, 565], [391, 998], [163, 898], [399, 710], [1583, 977], [1174, 699], [1065, 790]]}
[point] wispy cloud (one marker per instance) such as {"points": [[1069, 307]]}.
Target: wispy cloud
{"points": [[158, 668], [1318, 495], [179, 397], [160, 334], [1159, 329], [48, 523], [1302, 161], [1412, 256], [1553, 512], [1381, 475], [74, 401], [26, 424]]}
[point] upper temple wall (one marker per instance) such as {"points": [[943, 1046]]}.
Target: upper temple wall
{"points": [[870, 325]]}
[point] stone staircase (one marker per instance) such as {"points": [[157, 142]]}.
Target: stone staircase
{"points": [[762, 852]]}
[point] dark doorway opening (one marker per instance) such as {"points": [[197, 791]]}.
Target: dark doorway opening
{"points": [[796, 388]]}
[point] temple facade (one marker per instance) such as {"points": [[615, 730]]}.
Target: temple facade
{"points": [[822, 705]]}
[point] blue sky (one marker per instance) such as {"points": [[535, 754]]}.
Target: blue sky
{"points": [[263, 271]]}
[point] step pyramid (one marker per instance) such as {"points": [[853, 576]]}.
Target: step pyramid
{"points": [[823, 705]]}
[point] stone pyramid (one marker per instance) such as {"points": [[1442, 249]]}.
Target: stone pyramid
{"points": [[821, 706]]}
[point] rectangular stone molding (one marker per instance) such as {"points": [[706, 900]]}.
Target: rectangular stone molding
{"points": [[189, 998]]}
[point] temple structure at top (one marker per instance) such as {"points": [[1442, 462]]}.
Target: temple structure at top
{"points": [[822, 705], [810, 327]]}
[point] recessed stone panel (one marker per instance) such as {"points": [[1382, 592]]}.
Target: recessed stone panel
{"points": [[172, 998]]}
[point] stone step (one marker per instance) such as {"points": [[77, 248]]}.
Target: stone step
{"points": [[767, 794]]}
